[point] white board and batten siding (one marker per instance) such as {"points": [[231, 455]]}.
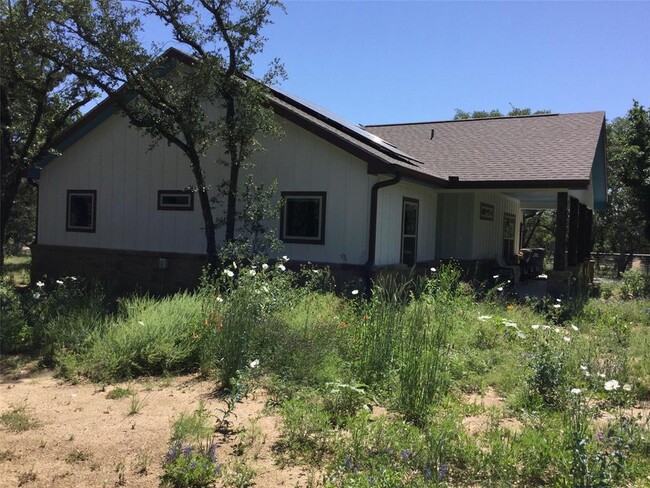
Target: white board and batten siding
{"points": [[389, 222], [114, 160], [464, 235]]}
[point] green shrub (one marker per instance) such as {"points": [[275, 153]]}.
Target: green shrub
{"points": [[188, 466], [15, 333], [635, 284]]}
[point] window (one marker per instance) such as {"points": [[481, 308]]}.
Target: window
{"points": [[508, 237], [303, 217], [410, 211], [175, 200], [81, 211]]}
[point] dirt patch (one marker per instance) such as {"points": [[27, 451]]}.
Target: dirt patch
{"points": [[82, 438], [489, 401]]}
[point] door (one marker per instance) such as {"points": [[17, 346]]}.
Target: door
{"points": [[410, 212]]}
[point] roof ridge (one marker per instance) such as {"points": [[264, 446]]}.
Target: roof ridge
{"points": [[481, 118]]}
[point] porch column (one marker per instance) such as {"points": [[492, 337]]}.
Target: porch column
{"points": [[572, 248], [583, 237], [559, 257], [588, 230]]}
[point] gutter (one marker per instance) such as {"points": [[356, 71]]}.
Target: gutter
{"points": [[373, 219]]}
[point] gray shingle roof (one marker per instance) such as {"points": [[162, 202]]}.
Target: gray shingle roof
{"points": [[531, 148]]}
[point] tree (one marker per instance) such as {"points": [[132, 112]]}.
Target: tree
{"points": [[38, 98], [171, 98], [624, 227], [482, 114]]}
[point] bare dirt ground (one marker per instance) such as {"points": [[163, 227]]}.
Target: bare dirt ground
{"points": [[83, 439]]}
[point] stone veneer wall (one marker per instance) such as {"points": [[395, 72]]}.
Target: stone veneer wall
{"points": [[120, 271]]}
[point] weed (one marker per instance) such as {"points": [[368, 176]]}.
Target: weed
{"points": [[26, 477], [7, 455], [137, 404], [194, 427], [237, 474], [120, 469], [77, 456], [188, 466], [16, 419], [142, 463], [119, 392]]}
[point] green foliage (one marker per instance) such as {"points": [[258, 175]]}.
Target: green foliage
{"points": [[15, 333], [16, 419], [482, 114], [306, 429], [635, 285], [119, 392], [194, 427]]}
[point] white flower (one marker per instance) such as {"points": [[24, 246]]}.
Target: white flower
{"points": [[229, 273], [282, 267], [234, 265], [558, 300], [254, 364], [557, 330], [557, 305], [220, 300], [542, 276], [265, 288], [36, 295], [433, 270], [612, 385], [566, 339], [587, 374], [509, 324], [601, 375], [574, 328], [535, 326], [265, 266], [40, 284], [252, 272], [576, 391], [500, 288], [140, 322], [73, 278], [59, 282], [285, 258], [484, 318], [495, 276], [627, 387], [583, 367], [355, 292], [315, 271], [521, 335], [546, 327]]}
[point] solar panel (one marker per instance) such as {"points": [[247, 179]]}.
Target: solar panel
{"points": [[351, 126]]}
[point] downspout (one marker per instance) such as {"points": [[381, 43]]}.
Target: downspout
{"points": [[372, 239]]}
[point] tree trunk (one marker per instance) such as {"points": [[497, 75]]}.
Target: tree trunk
{"points": [[206, 211], [6, 205], [234, 169]]}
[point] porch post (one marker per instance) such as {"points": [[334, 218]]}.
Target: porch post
{"points": [[588, 230], [572, 251], [583, 237], [559, 257]]}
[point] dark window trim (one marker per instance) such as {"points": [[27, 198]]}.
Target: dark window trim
{"points": [[161, 206], [297, 240], [401, 231], [70, 193], [507, 215]]}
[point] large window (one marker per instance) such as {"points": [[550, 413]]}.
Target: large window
{"points": [[410, 211], [508, 237], [81, 210], [303, 217]]}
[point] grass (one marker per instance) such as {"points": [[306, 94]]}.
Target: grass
{"points": [[16, 419], [17, 269], [375, 392]]}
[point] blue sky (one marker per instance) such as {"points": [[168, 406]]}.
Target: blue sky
{"points": [[383, 62]]}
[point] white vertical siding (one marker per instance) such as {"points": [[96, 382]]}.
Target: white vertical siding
{"points": [[488, 241], [115, 160], [455, 232], [389, 222]]}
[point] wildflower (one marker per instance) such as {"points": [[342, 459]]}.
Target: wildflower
{"points": [[495, 276], [583, 367], [510, 307], [254, 364], [315, 271], [73, 278], [557, 330], [229, 273], [212, 452], [627, 387], [521, 335], [36, 295], [433, 270], [576, 391], [140, 322], [220, 300], [500, 288], [484, 318], [40, 284], [265, 266], [558, 300], [601, 375], [355, 292], [285, 258], [265, 288], [535, 326], [59, 282], [566, 339], [546, 327], [612, 385], [344, 324], [195, 336], [366, 317], [574, 328], [557, 305], [406, 453], [282, 267], [234, 265], [510, 324], [252, 272]]}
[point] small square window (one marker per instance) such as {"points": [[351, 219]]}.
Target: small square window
{"points": [[175, 200], [302, 219], [81, 211]]}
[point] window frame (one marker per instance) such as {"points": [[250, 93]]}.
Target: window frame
{"points": [[93, 226], [287, 195], [410, 201], [504, 251], [185, 208]]}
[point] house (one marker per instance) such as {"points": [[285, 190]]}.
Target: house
{"points": [[355, 198]]}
